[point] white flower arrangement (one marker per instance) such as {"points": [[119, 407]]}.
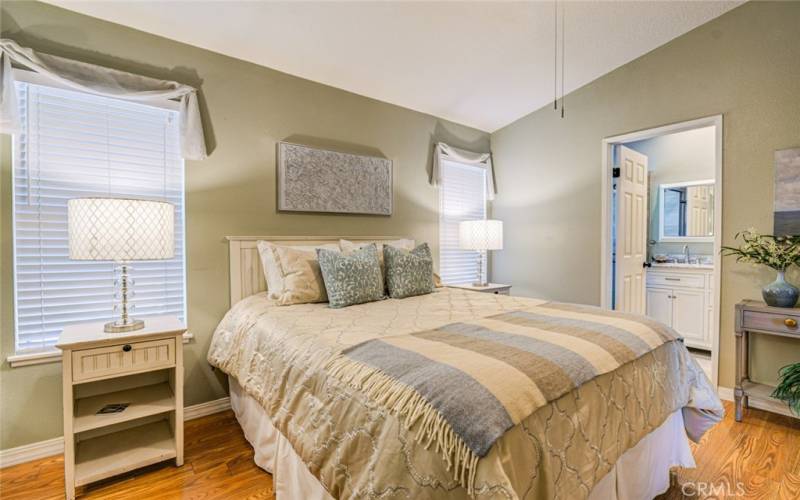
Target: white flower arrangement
{"points": [[777, 252]]}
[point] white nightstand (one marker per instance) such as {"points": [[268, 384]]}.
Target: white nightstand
{"points": [[494, 288], [143, 368]]}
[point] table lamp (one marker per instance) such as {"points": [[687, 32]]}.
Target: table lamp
{"points": [[481, 235], [121, 230]]}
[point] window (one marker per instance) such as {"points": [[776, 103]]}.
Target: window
{"points": [[674, 212], [73, 145], [462, 196]]}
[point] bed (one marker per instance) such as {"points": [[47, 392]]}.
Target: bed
{"points": [[328, 424]]}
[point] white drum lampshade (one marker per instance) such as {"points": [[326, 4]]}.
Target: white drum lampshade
{"points": [[481, 235], [121, 230]]}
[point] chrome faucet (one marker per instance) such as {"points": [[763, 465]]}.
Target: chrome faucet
{"points": [[686, 254]]}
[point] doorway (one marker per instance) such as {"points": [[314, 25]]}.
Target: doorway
{"points": [[661, 238]]}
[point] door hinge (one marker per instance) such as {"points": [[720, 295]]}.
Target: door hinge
{"points": [[615, 172]]}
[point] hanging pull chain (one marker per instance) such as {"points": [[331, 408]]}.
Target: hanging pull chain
{"points": [[555, 54], [563, 51]]}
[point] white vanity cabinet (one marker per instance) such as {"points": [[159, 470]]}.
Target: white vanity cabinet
{"points": [[659, 304], [681, 297]]}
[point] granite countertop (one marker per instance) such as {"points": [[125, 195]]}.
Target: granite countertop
{"points": [[680, 265]]}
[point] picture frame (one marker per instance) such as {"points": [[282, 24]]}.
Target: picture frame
{"points": [[314, 180], [786, 215]]}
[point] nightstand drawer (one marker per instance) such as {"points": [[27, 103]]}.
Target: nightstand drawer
{"points": [[101, 362], [771, 322]]}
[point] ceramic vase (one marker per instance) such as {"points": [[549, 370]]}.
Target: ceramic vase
{"points": [[779, 293]]}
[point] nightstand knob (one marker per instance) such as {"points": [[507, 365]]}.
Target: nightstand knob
{"points": [[790, 322], [127, 347]]}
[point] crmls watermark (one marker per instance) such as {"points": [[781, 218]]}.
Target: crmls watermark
{"points": [[720, 489]]}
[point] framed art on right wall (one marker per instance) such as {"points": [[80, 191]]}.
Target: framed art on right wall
{"points": [[787, 192]]}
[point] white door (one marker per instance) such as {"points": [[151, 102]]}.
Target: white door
{"points": [[698, 203], [659, 305], [631, 251], [688, 313]]}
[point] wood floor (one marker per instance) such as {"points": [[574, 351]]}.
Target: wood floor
{"points": [[218, 463], [758, 458]]}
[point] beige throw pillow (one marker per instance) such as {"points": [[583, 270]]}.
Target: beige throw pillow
{"points": [[292, 273]]}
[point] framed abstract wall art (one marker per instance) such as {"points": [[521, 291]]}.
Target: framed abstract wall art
{"points": [[787, 192], [317, 180]]}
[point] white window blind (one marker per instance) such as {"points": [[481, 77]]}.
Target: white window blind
{"points": [[75, 145], [462, 196]]}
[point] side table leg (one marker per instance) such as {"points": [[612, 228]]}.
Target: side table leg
{"points": [[737, 398], [746, 364], [740, 375]]}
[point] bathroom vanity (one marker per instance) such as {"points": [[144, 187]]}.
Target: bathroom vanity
{"points": [[680, 296]]}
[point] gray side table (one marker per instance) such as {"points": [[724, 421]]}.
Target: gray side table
{"points": [[756, 317]]}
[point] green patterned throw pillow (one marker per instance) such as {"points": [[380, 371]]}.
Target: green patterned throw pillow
{"points": [[408, 273], [351, 279]]}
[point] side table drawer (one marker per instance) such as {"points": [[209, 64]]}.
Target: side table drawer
{"points": [[101, 362], [771, 322]]}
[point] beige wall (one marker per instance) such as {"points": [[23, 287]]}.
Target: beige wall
{"points": [[233, 192], [744, 65]]}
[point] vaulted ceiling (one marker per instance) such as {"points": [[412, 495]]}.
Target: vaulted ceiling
{"points": [[483, 64]]}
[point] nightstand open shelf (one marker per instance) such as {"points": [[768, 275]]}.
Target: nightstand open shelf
{"points": [[122, 451], [143, 402], [143, 369]]}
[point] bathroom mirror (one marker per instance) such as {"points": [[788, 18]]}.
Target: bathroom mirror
{"points": [[686, 211]]}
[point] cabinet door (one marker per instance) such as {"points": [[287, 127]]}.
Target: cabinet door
{"points": [[688, 314], [659, 305]]}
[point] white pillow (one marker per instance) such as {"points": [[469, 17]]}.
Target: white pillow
{"points": [[292, 272]]}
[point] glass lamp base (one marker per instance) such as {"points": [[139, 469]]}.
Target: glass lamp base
{"points": [[119, 326]]}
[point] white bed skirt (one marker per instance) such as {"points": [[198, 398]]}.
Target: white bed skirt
{"points": [[640, 473]]}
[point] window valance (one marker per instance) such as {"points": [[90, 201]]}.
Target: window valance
{"points": [[443, 151], [101, 81]]}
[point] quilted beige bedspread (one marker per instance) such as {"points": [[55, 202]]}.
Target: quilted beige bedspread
{"points": [[358, 448]]}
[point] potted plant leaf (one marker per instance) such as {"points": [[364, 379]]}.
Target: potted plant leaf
{"points": [[776, 252], [788, 389]]}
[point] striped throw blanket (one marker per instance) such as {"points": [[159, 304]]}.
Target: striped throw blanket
{"points": [[465, 384]]}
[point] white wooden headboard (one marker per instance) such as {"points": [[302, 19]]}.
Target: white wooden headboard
{"points": [[246, 275]]}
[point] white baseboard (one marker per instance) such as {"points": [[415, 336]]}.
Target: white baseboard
{"points": [[726, 393], [55, 446], [207, 408], [30, 452]]}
